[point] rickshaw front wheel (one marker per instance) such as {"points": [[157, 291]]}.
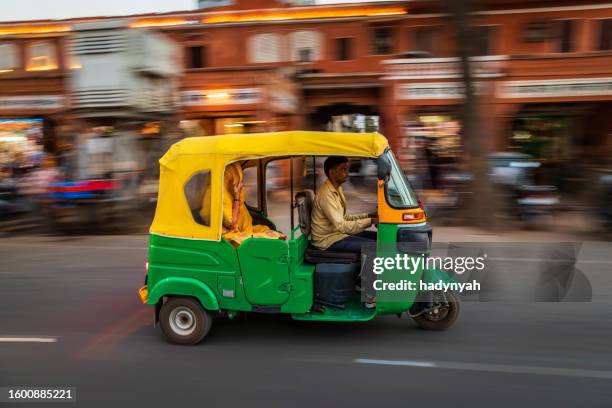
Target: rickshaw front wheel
{"points": [[441, 316], [184, 320]]}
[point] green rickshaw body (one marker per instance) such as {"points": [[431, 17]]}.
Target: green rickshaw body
{"points": [[271, 275], [262, 272]]}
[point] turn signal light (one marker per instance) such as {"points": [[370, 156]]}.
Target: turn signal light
{"points": [[414, 216], [143, 293]]}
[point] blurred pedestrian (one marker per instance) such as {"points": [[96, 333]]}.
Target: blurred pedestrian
{"points": [[36, 183], [67, 161], [7, 192], [35, 187]]}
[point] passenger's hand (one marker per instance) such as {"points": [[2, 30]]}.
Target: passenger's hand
{"points": [[237, 189], [374, 221], [373, 215]]}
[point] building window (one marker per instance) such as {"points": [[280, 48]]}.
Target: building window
{"points": [[264, 48], [8, 57], [344, 48], [382, 41], [605, 34], [565, 36], [197, 56], [41, 57], [305, 45], [424, 39], [197, 193], [536, 31], [482, 41], [73, 62], [305, 55]]}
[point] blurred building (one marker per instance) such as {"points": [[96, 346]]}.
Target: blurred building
{"points": [[543, 71], [122, 95], [33, 93]]}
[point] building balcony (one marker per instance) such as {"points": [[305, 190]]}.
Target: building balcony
{"points": [[587, 64]]}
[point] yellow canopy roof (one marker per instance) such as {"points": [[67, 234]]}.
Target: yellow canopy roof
{"points": [[190, 156], [256, 145]]}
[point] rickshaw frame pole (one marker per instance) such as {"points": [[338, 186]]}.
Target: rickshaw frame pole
{"points": [[291, 191], [314, 174]]}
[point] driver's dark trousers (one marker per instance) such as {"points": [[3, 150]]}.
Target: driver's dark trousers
{"points": [[363, 244]]}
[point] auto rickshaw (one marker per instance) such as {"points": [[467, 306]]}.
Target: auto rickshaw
{"points": [[194, 274]]}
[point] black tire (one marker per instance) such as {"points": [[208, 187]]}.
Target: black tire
{"points": [[184, 321], [445, 317]]}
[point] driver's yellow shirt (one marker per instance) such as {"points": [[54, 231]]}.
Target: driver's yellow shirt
{"points": [[329, 220]]}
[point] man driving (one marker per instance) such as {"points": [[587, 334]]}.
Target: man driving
{"points": [[332, 228]]}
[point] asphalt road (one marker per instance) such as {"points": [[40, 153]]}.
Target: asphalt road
{"points": [[70, 316]]}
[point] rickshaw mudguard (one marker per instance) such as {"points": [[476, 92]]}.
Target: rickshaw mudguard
{"points": [[178, 286]]}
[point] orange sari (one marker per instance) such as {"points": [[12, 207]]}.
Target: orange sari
{"points": [[237, 222]]}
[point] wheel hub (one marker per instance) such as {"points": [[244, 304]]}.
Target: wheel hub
{"points": [[438, 312], [182, 321]]}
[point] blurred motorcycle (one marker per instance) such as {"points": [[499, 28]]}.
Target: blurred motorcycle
{"points": [[513, 174], [9, 199]]}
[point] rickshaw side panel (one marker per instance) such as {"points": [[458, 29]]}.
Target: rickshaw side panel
{"points": [[301, 277], [264, 265], [213, 263]]}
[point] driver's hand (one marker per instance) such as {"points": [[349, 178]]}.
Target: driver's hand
{"points": [[374, 221]]}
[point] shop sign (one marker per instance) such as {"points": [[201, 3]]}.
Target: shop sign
{"points": [[442, 68], [31, 102], [556, 88], [433, 90], [218, 97]]}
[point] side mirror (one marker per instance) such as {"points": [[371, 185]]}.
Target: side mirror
{"points": [[384, 167]]}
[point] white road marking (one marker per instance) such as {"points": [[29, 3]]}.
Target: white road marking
{"points": [[496, 368], [397, 362], [14, 339]]}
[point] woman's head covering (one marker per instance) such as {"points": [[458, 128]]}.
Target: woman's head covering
{"points": [[233, 176]]}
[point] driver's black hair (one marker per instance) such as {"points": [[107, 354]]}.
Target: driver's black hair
{"points": [[333, 161]]}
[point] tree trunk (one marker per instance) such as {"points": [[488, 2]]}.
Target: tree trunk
{"points": [[480, 208]]}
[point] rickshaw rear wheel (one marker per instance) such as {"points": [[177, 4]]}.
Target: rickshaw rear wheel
{"points": [[184, 321], [441, 316]]}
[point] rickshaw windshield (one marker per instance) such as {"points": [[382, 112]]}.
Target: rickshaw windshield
{"points": [[397, 190]]}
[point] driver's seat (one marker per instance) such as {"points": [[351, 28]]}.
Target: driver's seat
{"points": [[304, 201]]}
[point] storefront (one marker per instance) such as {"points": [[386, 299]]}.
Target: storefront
{"points": [[269, 103], [563, 123], [569, 139], [28, 128], [21, 142], [430, 126], [556, 121]]}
